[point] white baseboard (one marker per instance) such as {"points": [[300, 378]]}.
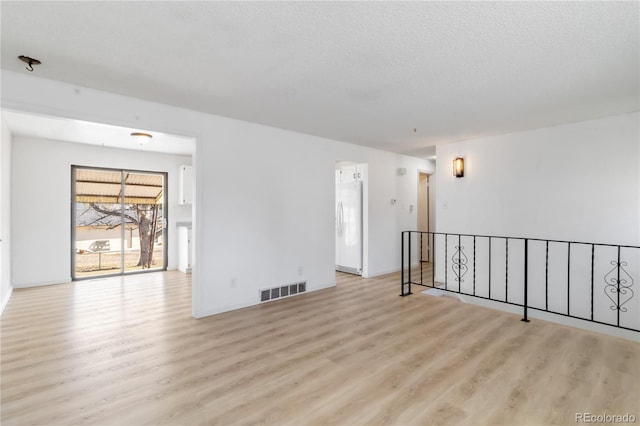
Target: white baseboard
{"points": [[202, 313], [207, 312], [5, 300], [547, 316], [42, 283], [388, 271]]}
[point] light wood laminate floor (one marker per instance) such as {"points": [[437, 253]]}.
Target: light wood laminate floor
{"points": [[126, 351]]}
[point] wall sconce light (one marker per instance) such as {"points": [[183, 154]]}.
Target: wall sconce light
{"points": [[141, 138], [458, 167]]}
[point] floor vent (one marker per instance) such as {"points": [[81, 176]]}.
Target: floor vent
{"points": [[279, 292]]}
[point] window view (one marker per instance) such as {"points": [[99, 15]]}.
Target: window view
{"points": [[118, 217]]}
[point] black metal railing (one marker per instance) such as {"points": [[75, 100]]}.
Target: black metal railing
{"points": [[588, 281]]}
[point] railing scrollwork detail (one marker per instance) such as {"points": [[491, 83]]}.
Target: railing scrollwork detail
{"points": [[459, 266], [618, 281]]}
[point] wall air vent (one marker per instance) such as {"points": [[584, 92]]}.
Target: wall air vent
{"points": [[268, 294]]}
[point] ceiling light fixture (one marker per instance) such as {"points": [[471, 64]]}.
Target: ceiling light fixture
{"points": [[141, 138], [29, 61]]}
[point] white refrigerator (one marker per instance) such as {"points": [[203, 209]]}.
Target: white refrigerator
{"points": [[349, 227]]}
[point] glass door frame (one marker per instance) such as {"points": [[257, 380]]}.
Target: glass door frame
{"points": [[165, 221]]}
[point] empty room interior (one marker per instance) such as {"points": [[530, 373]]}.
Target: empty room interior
{"points": [[320, 213]]}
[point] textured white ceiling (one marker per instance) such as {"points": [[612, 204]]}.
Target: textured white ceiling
{"points": [[362, 72]]}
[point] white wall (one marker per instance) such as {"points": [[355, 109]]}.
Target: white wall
{"points": [[41, 193], [274, 211], [264, 196], [5, 217], [575, 182]]}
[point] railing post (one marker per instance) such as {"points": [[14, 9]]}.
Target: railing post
{"points": [[526, 280], [506, 269], [421, 274], [446, 253], [569, 279], [593, 252], [409, 262], [433, 260], [546, 277], [402, 282], [618, 289], [402, 263], [489, 268], [459, 264]]}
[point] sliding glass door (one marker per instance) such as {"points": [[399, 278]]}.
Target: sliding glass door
{"points": [[118, 221]]}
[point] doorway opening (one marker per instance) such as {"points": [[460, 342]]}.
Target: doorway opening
{"points": [[118, 221], [350, 217], [425, 219]]}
